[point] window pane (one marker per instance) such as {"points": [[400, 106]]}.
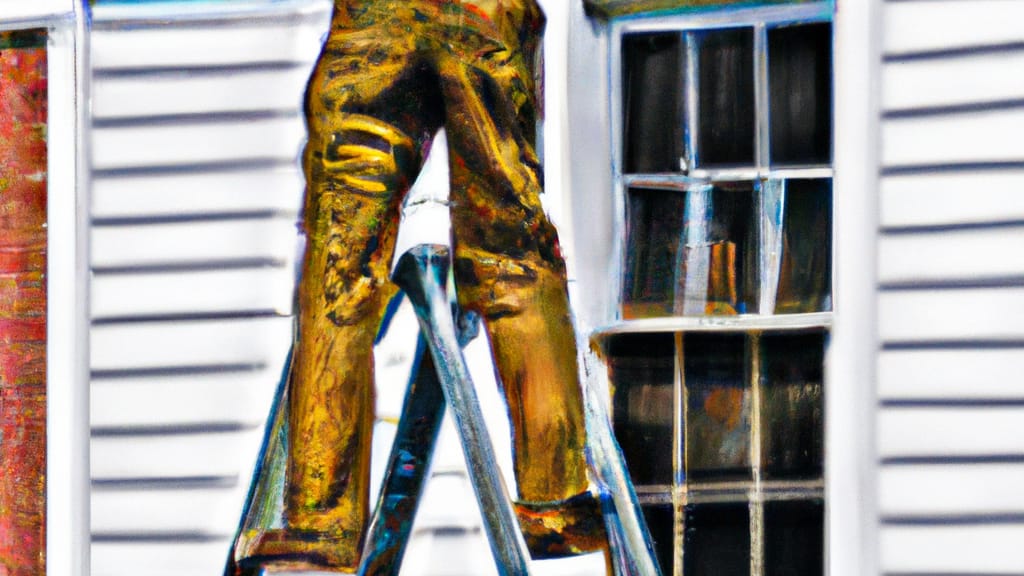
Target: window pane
{"points": [[691, 253], [661, 523], [794, 538], [805, 275], [717, 540], [800, 85], [791, 405], [642, 370], [653, 234], [652, 85], [726, 108], [717, 407]]}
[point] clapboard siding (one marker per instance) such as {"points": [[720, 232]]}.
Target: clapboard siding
{"points": [[950, 374], [200, 554], [148, 511], [263, 291], [950, 431], [220, 43], [186, 142], [950, 315], [985, 253], [174, 455], [190, 343], [182, 93], [936, 87], [261, 189], [273, 239], [954, 549], [961, 138], [951, 300], [181, 399], [941, 26], [950, 491], [938, 199]]}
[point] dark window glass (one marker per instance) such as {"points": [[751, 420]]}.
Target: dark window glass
{"points": [[717, 540], [718, 406], [726, 106], [805, 277], [794, 539], [792, 409], [653, 105], [642, 370], [800, 87], [661, 523], [653, 233]]}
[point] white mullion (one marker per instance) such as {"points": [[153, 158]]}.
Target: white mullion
{"points": [[756, 492], [762, 147], [680, 459], [617, 137], [691, 96]]}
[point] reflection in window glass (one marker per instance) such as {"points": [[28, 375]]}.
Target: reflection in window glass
{"points": [[718, 407], [805, 276], [642, 368], [691, 253]]}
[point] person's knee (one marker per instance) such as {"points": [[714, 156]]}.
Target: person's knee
{"points": [[499, 286]]}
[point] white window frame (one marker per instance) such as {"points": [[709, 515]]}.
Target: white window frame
{"points": [[597, 206]]}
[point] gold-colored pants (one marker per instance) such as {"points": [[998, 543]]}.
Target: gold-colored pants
{"points": [[390, 75]]}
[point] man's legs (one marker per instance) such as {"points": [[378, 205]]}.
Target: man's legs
{"points": [[363, 152], [509, 269]]}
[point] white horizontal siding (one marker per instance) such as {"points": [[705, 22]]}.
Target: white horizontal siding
{"points": [[183, 400], [969, 255], [262, 290], [945, 24], [987, 136], [953, 550], [277, 189], [950, 427], [952, 198], [173, 456], [275, 239], [182, 93], [190, 343], [206, 46], [950, 490], [941, 315], [159, 559], [211, 511], [955, 81], [905, 432], [950, 374], [195, 143]]}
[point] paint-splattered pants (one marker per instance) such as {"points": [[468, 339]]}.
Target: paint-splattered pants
{"points": [[390, 75]]}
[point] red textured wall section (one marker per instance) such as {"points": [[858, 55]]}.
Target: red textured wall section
{"points": [[23, 99]]}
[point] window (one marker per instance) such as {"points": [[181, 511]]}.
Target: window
{"points": [[722, 144]]}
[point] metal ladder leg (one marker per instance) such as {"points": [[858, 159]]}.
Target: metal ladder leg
{"points": [[422, 273]]}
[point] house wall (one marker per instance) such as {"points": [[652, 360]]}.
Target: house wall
{"points": [[950, 288]]}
